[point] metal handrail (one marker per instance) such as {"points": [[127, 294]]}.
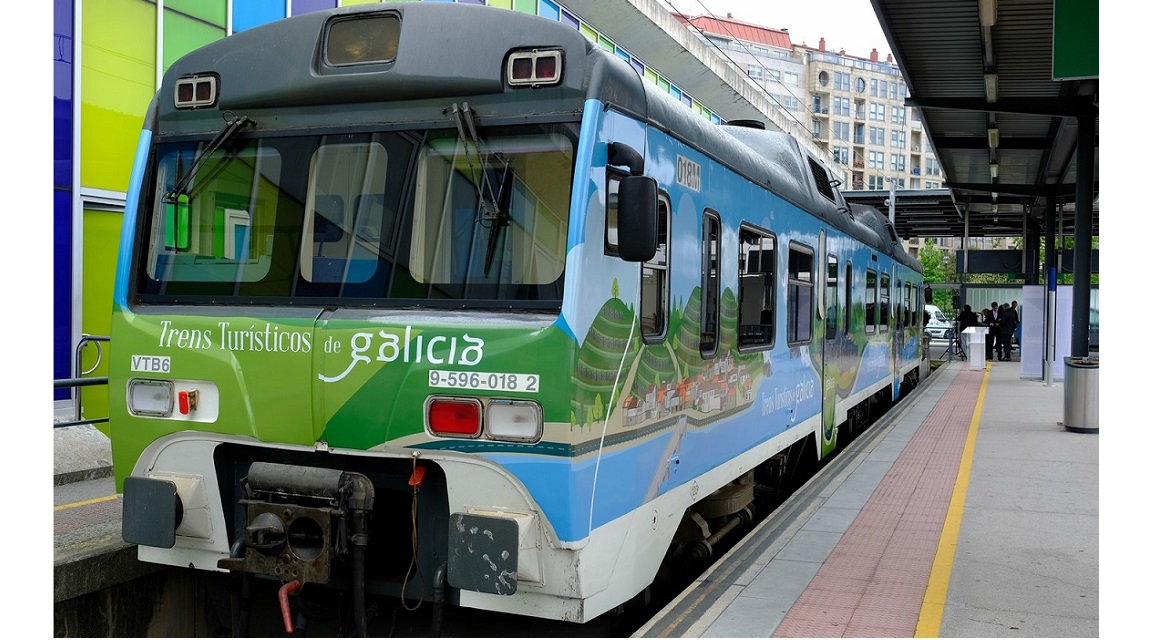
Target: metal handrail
{"points": [[81, 381]]}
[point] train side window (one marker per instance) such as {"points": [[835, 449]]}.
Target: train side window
{"points": [[884, 303], [709, 295], [906, 305], [756, 289], [832, 296], [800, 292], [871, 299], [654, 299], [897, 305], [848, 302]]}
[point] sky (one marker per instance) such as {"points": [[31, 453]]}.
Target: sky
{"points": [[846, 24]]}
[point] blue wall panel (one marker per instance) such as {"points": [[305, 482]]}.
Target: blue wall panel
{"points": [[62, 134]]}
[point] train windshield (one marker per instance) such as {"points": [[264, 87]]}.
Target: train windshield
{"points": [[425, 218]]}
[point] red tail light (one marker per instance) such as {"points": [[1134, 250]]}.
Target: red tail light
{"points": [[454, 417]]}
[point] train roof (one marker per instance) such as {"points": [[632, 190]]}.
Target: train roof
{"points": [[265, 68]]}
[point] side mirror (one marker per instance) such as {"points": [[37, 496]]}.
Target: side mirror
{"points": [[638, 218]]}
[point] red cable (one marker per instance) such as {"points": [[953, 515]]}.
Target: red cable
{"points": [[285, 591]]}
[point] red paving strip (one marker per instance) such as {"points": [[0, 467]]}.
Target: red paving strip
{"points": [[873, 583]]}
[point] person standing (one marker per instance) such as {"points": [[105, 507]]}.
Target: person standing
{"points": [[966, 318], [992, 332], [1017, 324], [1007, 323]]}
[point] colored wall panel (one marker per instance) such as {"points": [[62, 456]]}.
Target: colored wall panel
{"points": [[252, 13], [62, 289], [183, 34], [214, 12], [62, 70], [502, 4], [62, 134], [300, 7], [548, 9], [101, 246], [118, 81], [526, 6]]}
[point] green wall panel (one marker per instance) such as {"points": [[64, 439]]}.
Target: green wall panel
{"points": [[214, 12], [117, 81], [183, 34], [101, 239]]}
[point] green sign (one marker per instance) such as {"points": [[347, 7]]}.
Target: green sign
{"points": [[1075, 39]]}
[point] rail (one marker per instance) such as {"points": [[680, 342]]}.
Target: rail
{"points": [[81, 382]]}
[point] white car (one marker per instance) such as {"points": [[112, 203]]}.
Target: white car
{"points": [[939, 326]]}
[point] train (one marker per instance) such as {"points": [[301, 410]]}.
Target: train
{"points": [[447, 303]]}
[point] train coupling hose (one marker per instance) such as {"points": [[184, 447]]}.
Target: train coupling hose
{"points": [[285, 608]]}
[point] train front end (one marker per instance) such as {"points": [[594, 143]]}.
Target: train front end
{"points": [[341, 355]]}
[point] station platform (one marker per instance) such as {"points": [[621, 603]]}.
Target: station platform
{"points": [[967, 511]]}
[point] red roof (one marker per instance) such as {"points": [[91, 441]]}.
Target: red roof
{"points": [[740, 30]]}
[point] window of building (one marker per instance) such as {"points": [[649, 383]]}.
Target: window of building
{"points": [[932, 167], [772, 75], [709, 296], [876, 136], [842, 81], [841, 106], [756, 288], [754, 72], [876, 160], [842, 130], [800, 293], [877, 112], [791, 78], [875, 183], [860, 85], [842, 154], [654, 299], [897, 162], [898, 115]]}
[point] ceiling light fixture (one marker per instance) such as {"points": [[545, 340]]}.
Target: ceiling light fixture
{"points": [[991, 80], [992, 137], [994, 171], [987, 12]]}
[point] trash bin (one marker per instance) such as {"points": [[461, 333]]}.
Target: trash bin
{"points": [[975, 346], [1080, 394]]}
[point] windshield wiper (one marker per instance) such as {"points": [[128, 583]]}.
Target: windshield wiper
{"points": [[230, 130], [490, 207]]}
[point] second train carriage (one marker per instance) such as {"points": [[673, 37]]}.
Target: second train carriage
{"points": [[445, 302]]}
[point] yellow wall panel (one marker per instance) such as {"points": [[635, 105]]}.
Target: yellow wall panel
{"points": [[117, 81]]}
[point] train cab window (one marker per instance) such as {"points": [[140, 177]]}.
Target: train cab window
{"points": [[884, 303], [800, 292], [654, 299], [832, 296], [709, 294], [871, 300], [756, 289]]}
